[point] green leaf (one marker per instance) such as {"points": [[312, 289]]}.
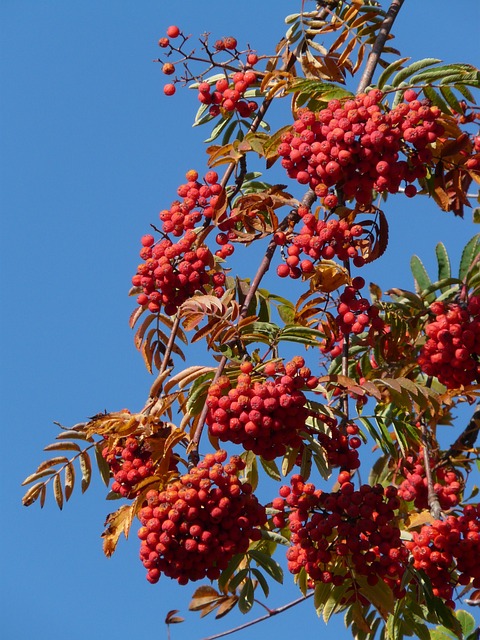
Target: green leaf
{"points": [[271, 469], [333, 603], [287, 314], [420, 275], [389, 71], [441, 633], [467, 622], [381, 596], [103, 467], [217, 129], [413, 68], [261, 581], [444, 268], [435, 99], [238, 578], [270, 565], [230, 570], [247, 594], [471, 250], [321, 595], [272, 536], [450, 97], [304, 335]]}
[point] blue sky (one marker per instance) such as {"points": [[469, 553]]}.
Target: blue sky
{"points": [[91, 151]]}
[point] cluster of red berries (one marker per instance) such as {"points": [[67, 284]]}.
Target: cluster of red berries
{"points": [[448, 483], [197, 200], [335, 535], [449, 552], [264, 416], [319, 240], [356, 145], [193, 528], [174, 271], [227, 94], [341, 445], [130, 462], [355, 315], [452, 351]]}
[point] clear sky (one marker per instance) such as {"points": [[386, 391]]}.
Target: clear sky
{"points": [[91, 151]]}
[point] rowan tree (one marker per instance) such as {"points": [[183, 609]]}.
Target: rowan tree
{"points": [[257, 453]]}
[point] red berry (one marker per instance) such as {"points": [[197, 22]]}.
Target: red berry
{"points": [[173, 32], [169, 89]]}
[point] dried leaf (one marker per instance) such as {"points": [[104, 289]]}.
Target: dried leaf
{"points": [[57, 491], [172, 618], [117, 523], [86, 469], [69, 480], [62, 446]]}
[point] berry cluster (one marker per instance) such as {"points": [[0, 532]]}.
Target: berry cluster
{"points": [[355, 315], [264, 416], [173, 272], [356, 145], [337, 535], [448, 483], [130, 462], [227, 95], [319, 239], [197, 200], [452, 351], [195, 526], [449, 552], [341, 445]]}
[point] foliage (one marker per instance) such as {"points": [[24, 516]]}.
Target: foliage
{"points": [[297, 386]]}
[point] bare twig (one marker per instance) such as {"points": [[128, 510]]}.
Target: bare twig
{"points": [[376, 52], [273, 612], [433, 501]]}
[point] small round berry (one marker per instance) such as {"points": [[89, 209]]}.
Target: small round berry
{"points": [[410, 95], [173, 32], [410, 190], [230, 42], [169, 89], [168, 69]]}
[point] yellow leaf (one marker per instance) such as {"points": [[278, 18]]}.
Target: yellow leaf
{"points": [[328, 276]]}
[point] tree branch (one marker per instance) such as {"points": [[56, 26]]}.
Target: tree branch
{"points": [[376, 52], [273, 612]]}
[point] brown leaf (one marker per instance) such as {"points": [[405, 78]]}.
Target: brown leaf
{"points": [[138, 339], [117, 523], [62, 446], [32, 494], [86, 469], [172, 618], [226, 606], [135, 315], [57, 491], [69, 480], [203, 597]]}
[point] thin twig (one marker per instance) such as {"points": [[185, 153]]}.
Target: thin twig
{"points": [[376, 52], [466, 440], [273, 612], [433, 501]]}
